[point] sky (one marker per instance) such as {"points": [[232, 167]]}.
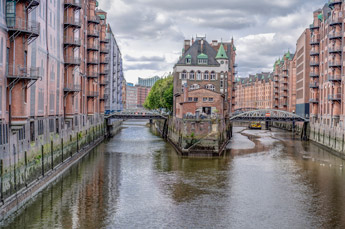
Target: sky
{"points": [[150, 33]]}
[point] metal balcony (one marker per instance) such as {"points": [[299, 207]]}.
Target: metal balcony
{"points": [[104, 72], [335, 97], [105, 97], [314, 63], [72, 3], [336, 49], [92, 94], [22, 72], [314, 85], [334, 64], [72, 22], [335, 35], [93, 33], [285, 76], [70, 60], [92, 61], [335, 21], [275, 80], [334, 78], [104, 83], [92, 46], [314, 52], [94, 19], [92, 75], [334, 2], [314, 75], [32, 4], [105, 49], [70, 41], [105, 40], [72, 88], [315, 41], [17, 26], [105, 60], [312, 26], [314, 100]]}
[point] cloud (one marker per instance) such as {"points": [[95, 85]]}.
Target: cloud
{"points": [[145, 58]]}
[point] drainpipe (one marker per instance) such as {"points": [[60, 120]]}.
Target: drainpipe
{"points": [[47, 65]]}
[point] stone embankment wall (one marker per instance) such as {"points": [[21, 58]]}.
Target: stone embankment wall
{"points": [[197, 137], [24, 170]]}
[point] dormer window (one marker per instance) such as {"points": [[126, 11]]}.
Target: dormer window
{"points": [[188, 59], [202, 59]]}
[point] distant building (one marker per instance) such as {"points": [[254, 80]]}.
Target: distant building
{"points": [[142, 93], [131, 96], [148, 82]]}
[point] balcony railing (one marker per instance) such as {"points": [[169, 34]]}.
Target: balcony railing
{"points": [[333, 2], [312, 26], [314, 74], [314, 85], [25, 26], [105, 60], [104, 71], [92, 94], [333, 78], [71, 21], [335, 97], [72, 88], [314, 100], [70, 41], [315, 41], [333, 64], [335, 49], [92, 46], [93, 19], [314, 52], [92, 60], [285, 76], [335, 21], [93, 33], [105, 40], [71, 60], [335, 35], [104, 97], [22, 72], [92, 75], [314, 63], [105, 49], [73, 3], [104, 82]]}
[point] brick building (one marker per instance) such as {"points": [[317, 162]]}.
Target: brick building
{"points": [[142, 93], [131, 96], [208, 66]]}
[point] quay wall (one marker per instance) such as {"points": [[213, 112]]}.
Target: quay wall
{"points": [[27, 165]]}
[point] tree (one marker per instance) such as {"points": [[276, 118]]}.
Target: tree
{"points": [[161, 95]]}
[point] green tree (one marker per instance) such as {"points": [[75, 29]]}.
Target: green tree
{"points": [[161, 95]]}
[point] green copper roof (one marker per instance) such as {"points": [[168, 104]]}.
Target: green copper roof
{"points": [[320, 17], [96, 3], [202, 56], [234, 48], [288, 55], [102, 17], [188, 56], [221, 53]]}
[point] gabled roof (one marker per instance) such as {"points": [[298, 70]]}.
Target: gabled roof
{"points": [[221, 53], [204, 51]]}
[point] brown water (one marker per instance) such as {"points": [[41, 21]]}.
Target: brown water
{"points": [[136, 180]]}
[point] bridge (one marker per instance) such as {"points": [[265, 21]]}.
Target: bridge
{"points": [[271, 115], [135, 115]]}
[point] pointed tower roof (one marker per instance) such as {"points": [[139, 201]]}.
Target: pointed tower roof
{"points": [[221, 53]]}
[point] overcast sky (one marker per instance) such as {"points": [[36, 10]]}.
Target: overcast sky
{"points": [[151, 32]]}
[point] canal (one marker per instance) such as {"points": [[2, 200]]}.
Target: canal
{"points": [[136, 180]]}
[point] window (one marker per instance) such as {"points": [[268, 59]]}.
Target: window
{"points": [[188, 60], [213, 75], [192, 75], [204, 99], [1, 51], [202, 61], [210, 99], [40, 127], [194, 86], [210, 87], [206, 75], [184, 75], [221, 83], [196, 99], [190, 99], [21, 134], [51, 125], [32, 131], [57, 125], [198, 75]]}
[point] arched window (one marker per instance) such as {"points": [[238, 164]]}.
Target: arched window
{"points": [[194, 86], [184, 75], [213, 75], [198, 75], [192, 75], [206, 75], [210, 87]]}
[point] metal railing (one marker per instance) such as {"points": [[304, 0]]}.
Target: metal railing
{"points": [[92, 74], [314, 85], [19, 24], [72, 60], [314, 63], [334, 97], [334, 35], [105, 40], [92, 60], [75, 3], [92, 94], [72, 41], [93, 32], [334, 49], [335, 21], [23, 72], [312, 26], [92, 46], [72, 21], [334, 77], [314, 52], [105, 49], [334, 64], [72, 87], [93, 19], [314, 74], [314, 100]]}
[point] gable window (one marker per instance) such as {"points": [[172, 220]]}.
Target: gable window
{"points": [[191, 75], [188, 60], [210, 99], [206, 75], [198, 75], [210, 87], [194, 86]]}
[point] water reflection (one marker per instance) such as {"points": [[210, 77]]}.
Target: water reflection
{"points": [[136, 180]]}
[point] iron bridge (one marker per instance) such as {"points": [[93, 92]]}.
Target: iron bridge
{"points": [[136, 115], [268, 115]]}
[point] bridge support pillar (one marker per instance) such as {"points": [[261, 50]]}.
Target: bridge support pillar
{"points": [[267, 125], [304, 135], [151, 121]]}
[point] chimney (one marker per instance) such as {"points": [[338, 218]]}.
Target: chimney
{"points": [[215, 43], [186, 45]]}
